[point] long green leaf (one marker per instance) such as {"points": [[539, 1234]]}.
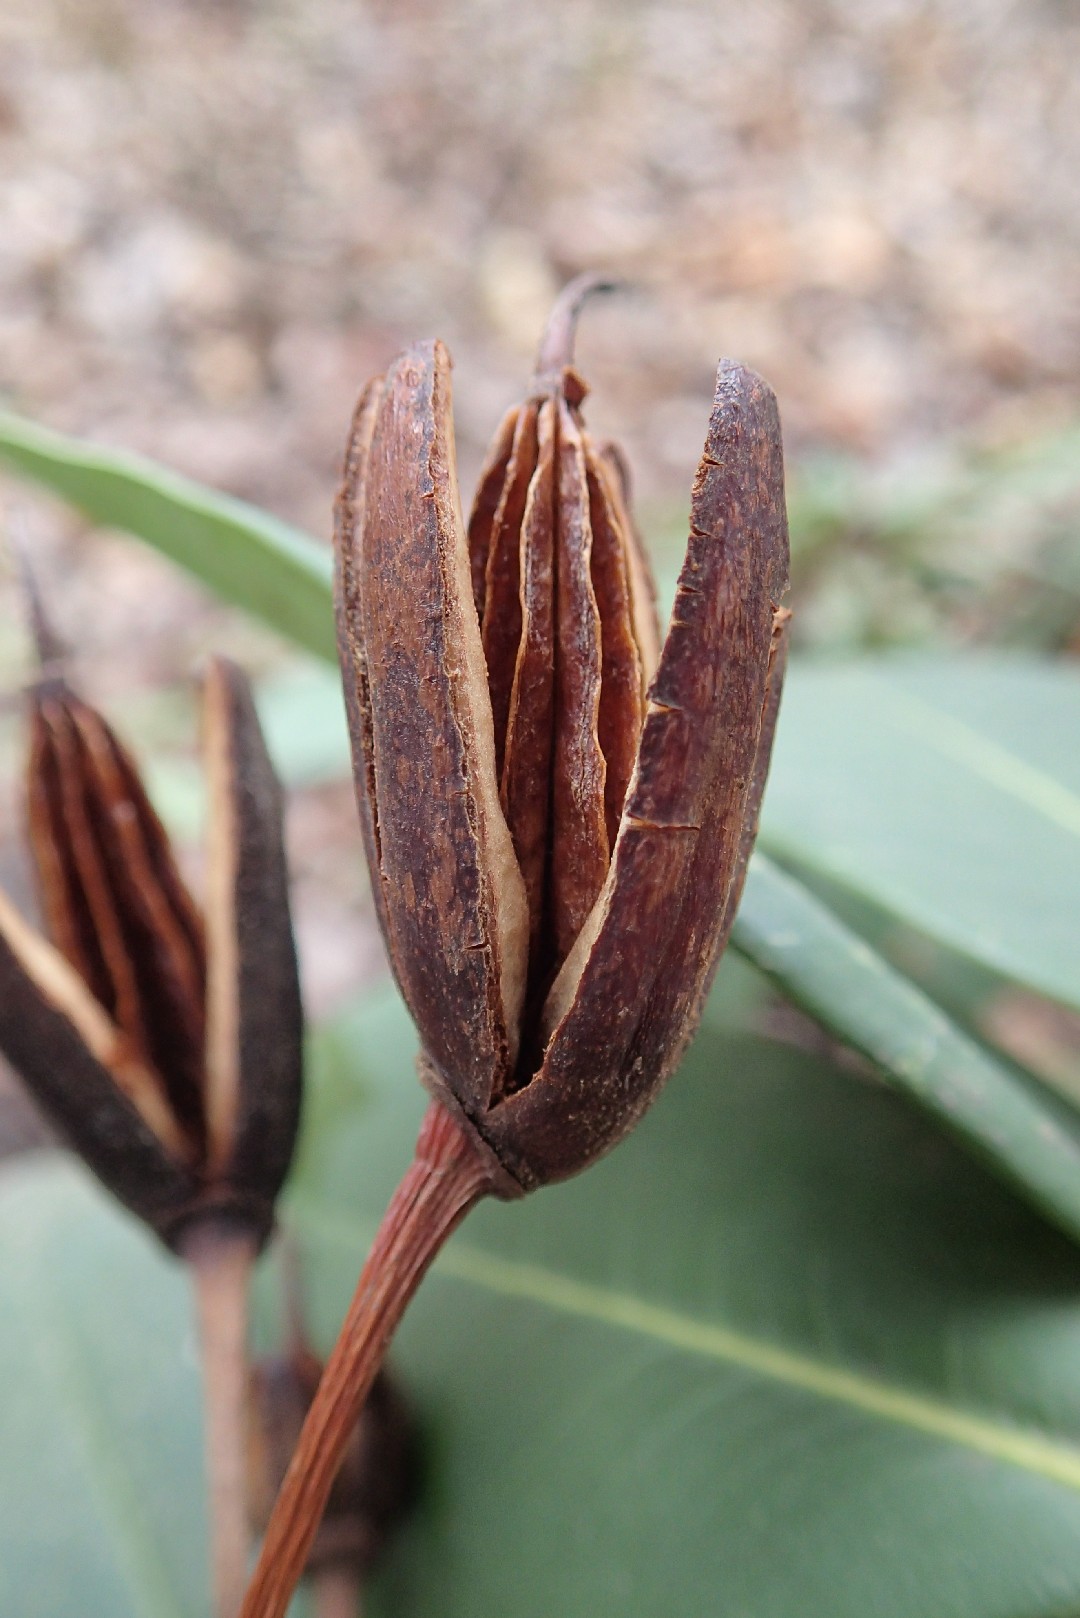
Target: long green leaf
{"points": [[947, 791], [785, 1351], [830, 972], [246, 556], [97, 1353]]}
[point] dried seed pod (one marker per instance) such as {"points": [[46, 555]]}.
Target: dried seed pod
{"points": [[165, 1046], [557, 811], [374, 1483]]}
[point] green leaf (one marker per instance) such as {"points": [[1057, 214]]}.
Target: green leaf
{"points": [[947, 791], [246, 556], [785, 1351], [1008, 1118], [101, 1504]]}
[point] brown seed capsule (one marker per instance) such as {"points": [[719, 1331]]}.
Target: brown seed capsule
{"points": [[165, 1046], [557, 811]]}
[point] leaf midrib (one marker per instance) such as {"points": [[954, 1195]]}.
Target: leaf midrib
{"points": [[1028, 1450]]}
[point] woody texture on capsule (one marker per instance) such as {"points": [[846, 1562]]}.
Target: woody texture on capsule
{"points": [[557, 809], [162, 1040]]}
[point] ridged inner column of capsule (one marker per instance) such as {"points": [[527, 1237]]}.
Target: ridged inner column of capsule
{"points": [[114, 902], [559, 590]]}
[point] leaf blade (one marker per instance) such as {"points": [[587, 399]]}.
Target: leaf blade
{"points": [[942, 789], [786, 1350], [87, 1374], [246, 556], [828, 970], [662, 1340]]}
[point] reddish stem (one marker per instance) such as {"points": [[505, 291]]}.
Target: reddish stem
{"points": [[449, 1174]]}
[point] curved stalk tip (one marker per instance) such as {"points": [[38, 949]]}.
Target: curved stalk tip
{"points": [[556, 349], [50, 649]]}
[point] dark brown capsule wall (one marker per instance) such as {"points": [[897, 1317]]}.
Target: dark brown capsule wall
{"points": [[449, 895], [80, 1095], [631, 811], [680, 857], [170, 1055], [255, 1017], [554, 576], [113, 899]]}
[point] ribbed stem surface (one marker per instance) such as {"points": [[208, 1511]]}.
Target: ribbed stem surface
{"points": [[448, 1175]]}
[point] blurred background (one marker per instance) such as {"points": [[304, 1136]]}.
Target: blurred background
{"points": [[221, 216]]}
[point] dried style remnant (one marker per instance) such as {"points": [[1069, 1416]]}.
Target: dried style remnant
{"points": [[164, 1043], [557, 810]]}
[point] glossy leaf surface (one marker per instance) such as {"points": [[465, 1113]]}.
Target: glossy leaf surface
{"points": [[101, 1509], [1004, 1115], [785, 1350], [947, 790]]}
